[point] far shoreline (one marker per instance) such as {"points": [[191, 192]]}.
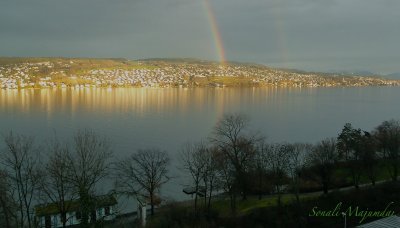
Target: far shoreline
{"points": [[194, 87]]}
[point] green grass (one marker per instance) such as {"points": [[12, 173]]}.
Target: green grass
{"points": [[265, 213], [381, 174], [252, 203]]}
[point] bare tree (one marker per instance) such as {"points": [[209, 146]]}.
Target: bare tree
{"points": [[231, 136], [322, 161], [89, 164], [143, 174], [260, 165], [55, 186], [200, 162], [210, 174], [8, 207], [226, 177], [297, 161], [20, 161], [387, 135], [278, 159], [193, 161]]}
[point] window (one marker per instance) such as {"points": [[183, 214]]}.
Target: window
{"points": [[63, 217], [47, 221], [71, 218], [93, 216], [107, 210], [55, 220], [78, 215]]}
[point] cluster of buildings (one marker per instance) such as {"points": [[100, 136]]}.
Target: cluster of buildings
{"points": [[25, 75], [134, 77], [166, 74]]}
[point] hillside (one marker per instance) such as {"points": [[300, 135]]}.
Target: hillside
{"points": [[87, 72]]}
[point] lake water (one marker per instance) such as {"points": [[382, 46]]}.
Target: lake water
{"points": [[134, 118]]}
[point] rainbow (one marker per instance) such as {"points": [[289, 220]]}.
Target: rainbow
{"points": [[215, 32], [279, 28]]}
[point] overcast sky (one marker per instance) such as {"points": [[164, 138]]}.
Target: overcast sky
{"points": [[322, 35]]}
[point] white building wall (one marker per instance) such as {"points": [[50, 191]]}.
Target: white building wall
{"points": [[72, 220]]}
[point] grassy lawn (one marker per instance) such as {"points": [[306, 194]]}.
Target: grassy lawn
{"points": [[342, 174], [222, 206], [265, 213]]}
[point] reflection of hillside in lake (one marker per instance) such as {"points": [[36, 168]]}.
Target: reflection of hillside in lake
{"points": [[138, 100], [167, 118]]}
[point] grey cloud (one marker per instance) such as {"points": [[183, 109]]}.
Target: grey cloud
{"points": [[305, 34]]}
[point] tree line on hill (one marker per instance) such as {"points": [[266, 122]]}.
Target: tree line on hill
{"points": [[233, 160]]}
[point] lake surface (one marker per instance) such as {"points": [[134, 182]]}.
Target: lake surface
{"points": [[135, 118]]}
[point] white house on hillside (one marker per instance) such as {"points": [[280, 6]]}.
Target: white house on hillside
{"points": [[48, 216]]}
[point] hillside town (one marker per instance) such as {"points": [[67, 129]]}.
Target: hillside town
{"points": [[78, 73]]}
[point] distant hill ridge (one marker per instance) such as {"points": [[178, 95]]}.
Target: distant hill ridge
{"points": [[14, 60]]}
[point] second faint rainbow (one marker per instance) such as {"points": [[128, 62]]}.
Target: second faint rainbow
{"points": [[215, 31]]}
